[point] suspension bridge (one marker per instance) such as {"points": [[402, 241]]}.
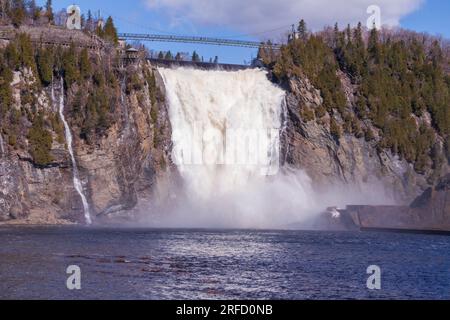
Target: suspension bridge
{"points": [[197, 40]]}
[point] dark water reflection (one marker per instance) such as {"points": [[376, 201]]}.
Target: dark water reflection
{"points": [[199, 264]]}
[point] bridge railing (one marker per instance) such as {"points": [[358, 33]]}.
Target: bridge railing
{"points": [[201, 40]]}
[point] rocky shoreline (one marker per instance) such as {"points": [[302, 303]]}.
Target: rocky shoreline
{"points": [[429, 213], [38, 218]]}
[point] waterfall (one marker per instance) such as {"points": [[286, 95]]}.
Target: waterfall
{"points": [[226, 145], [76, 180], [2, 145], [53, 95]]}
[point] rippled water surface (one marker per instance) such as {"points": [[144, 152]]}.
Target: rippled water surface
{"points": [[199, 264]]}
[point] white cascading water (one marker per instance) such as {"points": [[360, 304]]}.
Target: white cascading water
{"points": [[2, 146], [53, 94], [226, 144], [69, 141]]}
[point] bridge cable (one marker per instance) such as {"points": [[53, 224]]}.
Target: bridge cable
{"points": [[222, 37], [139, 25], [257, 33]]}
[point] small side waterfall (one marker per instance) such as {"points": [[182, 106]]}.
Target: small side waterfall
{"points": [[53, 95], [2, 146], [69, 140]]}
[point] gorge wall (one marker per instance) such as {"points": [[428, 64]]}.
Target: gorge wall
{"points": [[124, 154], [352, 168], [116, 169]]}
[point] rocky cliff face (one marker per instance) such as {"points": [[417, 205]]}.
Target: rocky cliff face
{"points": [[347, 160], [129, 162], [121, 167], [130, 165]]}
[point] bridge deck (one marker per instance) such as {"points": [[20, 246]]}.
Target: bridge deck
{"points": [[200, 40]]}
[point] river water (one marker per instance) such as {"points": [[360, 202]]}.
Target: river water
{"points": [[208, 264]]}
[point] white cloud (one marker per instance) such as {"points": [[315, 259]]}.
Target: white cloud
{"points": [[253, 16]]}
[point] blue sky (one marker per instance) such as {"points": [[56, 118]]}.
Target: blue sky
{"points": [[433, 17], [256, 19]]}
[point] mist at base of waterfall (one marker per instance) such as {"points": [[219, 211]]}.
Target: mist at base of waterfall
{"points": [[287, 201], [274, 203]]}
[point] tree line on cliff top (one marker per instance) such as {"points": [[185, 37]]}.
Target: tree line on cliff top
{"points": [[28, 127], [93, 90], [21, 12], [400, 80]]}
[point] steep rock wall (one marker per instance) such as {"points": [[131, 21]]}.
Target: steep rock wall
{"points": [[131, 164], [347, 161], [118, 169]]}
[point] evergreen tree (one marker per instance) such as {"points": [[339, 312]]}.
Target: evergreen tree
{"points": [[70, 66], [358, 37], [12, 56], [89, 26], [5, 9], [153, 92], [40, 142], [110, 31], [49, 11], [168, 56], [195, 57], [99, 30], [85, 64], [337, 43], [335, 129], [18, 12], [265, 53], [26, 51], [348, 34], [302, 30], [261, 54], [45, 65], [34, 12], [5, 88], [161, 55], [436, 54], [447, 150], [373, 45], [83, 22]]}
